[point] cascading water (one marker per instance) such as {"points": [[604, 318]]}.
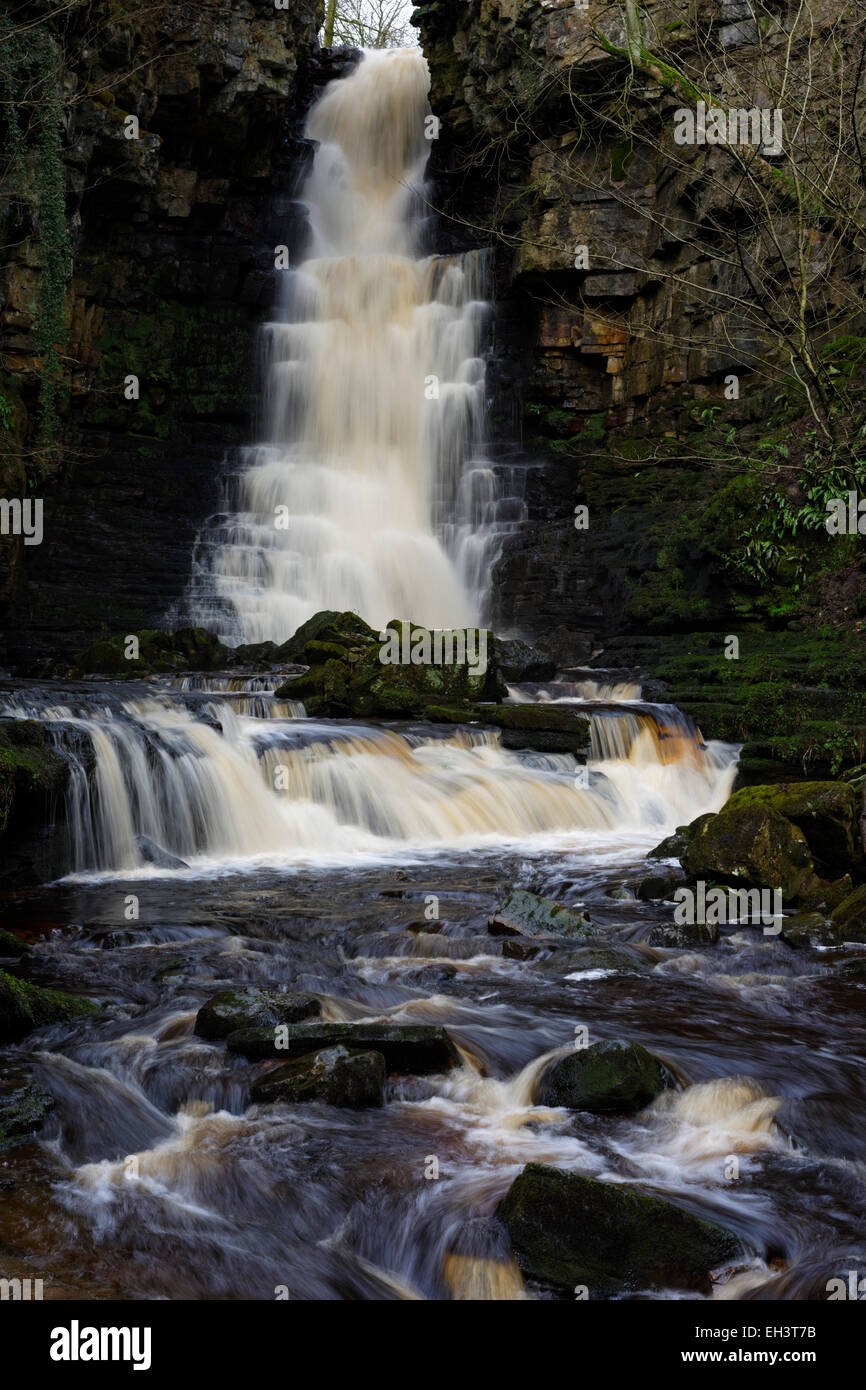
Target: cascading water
{"points": [[367, 492], [221, 840]]}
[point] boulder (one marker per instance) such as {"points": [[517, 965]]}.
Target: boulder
{"points": [[348, 677], [24, 1006], [333, 1076], [152, 853], [691, 935], [526, 914], [187, 649], [752, 846], [24, 1105], [827, 813], [613, 1077], [660, 886], [418, 1049], [518, 661], [849, 918], [233, 1010], [567, 1230]]}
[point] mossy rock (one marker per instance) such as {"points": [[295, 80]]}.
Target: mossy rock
{"points": [[849, 918], [826, 812], [417, 1049], [567, 1231], [24, 1105], [187, 649], [234, 1010], [612, 1077], [333, 1076], [24, 1006], [752, 846], [526, 914], [32, 775], [348, 677]]}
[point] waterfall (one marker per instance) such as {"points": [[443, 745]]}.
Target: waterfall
{"points": [[367, 491], [213, 784]]}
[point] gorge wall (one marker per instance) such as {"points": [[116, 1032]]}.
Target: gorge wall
{"points": [[613, 375], [172, 240]]}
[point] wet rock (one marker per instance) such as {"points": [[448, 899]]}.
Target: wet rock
{"points": [[152, 853], [690, 934], [527, 914], [333, 1076], [567, 1230], [24, 1106], [418, 1048], [615, 1077], [24, 1006], [12, 946], [659, 886], [752, 846], [187, 649], [807, 929], [346, 676], [849, 918], [518, 661], [675, 846], [233, 1010], [827, 813]]}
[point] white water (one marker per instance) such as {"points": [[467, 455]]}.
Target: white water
{"points": [[366, 493], [212, 786]]}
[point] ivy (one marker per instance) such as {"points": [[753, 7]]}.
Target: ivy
{"points": [[30, 88]]}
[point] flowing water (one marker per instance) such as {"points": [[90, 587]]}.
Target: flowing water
{"points": [[216, 836]]}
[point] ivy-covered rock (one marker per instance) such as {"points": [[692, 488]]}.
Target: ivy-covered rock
{"points": [[612, 1077], [568, 1231], [24, 1006], [233, 1010]]}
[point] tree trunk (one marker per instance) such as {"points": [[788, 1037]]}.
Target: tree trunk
{"points": [[329, 24]]}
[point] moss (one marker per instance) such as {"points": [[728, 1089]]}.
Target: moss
{"points": [[24, 1006]]}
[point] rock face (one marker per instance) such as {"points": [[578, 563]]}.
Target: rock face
{"points": [[33, 778], [615, 1077], [612, 373], [171, 240], [567, 1230]]}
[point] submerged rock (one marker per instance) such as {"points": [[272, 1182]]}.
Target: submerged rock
{"points": [[615, 1077], [690, 934], [152, 853], [417, 1048], [567, 1230], [334, 1076], [24, 1006], [233, 1010], [526, 914]]}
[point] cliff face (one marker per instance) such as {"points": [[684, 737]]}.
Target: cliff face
{"points": [[631, 288], [170, 238]]}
